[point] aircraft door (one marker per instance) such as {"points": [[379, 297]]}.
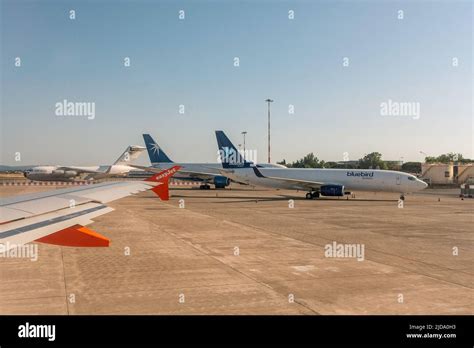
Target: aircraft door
{"points": [[398, 180]]}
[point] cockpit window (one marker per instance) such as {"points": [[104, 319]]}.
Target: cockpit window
{"points": [[411, 178]]}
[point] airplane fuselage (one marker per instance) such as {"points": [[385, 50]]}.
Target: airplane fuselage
{"points": [[351, 179], [59, 173]]}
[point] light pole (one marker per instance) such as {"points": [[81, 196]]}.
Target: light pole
{"points": [[243, 133], [425, 154], [269, 101]]}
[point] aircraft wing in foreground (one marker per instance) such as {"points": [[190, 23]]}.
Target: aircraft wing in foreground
{"points": [[60, 216]]}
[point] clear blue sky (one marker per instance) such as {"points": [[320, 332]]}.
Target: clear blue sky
{"points": [[190, 62]]}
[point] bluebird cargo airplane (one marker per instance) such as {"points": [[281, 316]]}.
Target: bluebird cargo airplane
{"points": [[59, 216], [318, 182], [207, 173], [70, 173]]}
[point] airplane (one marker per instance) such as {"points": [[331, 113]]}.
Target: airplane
{"points": [[59, 216], [207, 173], [70, 173], [318, 182]]}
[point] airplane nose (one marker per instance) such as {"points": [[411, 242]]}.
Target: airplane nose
{"points": [[422, 184]]}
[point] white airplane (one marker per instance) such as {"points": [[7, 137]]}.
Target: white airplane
{"points": [[59, 216], [318, 182], [70, 173], [207, 173]]}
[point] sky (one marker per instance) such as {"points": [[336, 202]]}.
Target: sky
{"points": [[423, 59]]}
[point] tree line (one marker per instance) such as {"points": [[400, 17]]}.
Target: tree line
{"points": [[373, 160]]}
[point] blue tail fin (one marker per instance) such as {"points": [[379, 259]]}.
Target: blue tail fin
{"points": [[228, 153], [156, 154]]}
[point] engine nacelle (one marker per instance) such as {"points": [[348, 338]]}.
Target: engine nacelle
{"points": [[221, 181], [64, 173], [70, 173], [332, 190]]}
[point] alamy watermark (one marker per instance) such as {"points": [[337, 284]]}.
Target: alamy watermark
{"points": [[68, 108], [238, 158], [27, 251], [28, 330], [340, 250], [393, 108]]}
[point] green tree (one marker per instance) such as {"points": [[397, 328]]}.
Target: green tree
{"points": [[447, 158], [330, 165], [372, 161], [308, 161], [393, 165]]}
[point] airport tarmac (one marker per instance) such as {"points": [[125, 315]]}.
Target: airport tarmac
{"points": [[245, 251]]}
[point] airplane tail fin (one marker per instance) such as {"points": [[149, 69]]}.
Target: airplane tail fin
{"points": [[130, 154], [228, 153], [162, 178], [156, 154]]}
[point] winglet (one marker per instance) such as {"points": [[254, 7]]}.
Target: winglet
{"points": [[257, 172], [76, 236], [162, 178]]}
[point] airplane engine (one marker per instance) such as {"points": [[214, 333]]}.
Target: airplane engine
{"points": [[70, 173], [221, 181], [64, 173], [332, 190]]}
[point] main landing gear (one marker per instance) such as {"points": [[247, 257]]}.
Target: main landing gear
{"points": [[402, 197], [204, 187], [312, 194]]}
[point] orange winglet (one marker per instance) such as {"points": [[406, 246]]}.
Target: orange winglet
{"points": [[76, 236], [162, 191], [162, 178]]}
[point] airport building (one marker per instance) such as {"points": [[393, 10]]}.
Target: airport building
{"points": [[447, 173]]}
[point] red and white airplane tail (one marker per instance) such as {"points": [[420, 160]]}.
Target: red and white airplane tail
{"points": [[162, 178]]}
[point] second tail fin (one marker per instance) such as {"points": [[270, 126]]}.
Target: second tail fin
{"points": [[228, 153], [156, 154], [162, 178], [130, 154]]}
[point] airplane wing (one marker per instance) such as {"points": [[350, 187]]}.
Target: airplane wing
{"points": [[81, 170], [297, 183], [59, 216], [205, 176], [197, 175]]}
